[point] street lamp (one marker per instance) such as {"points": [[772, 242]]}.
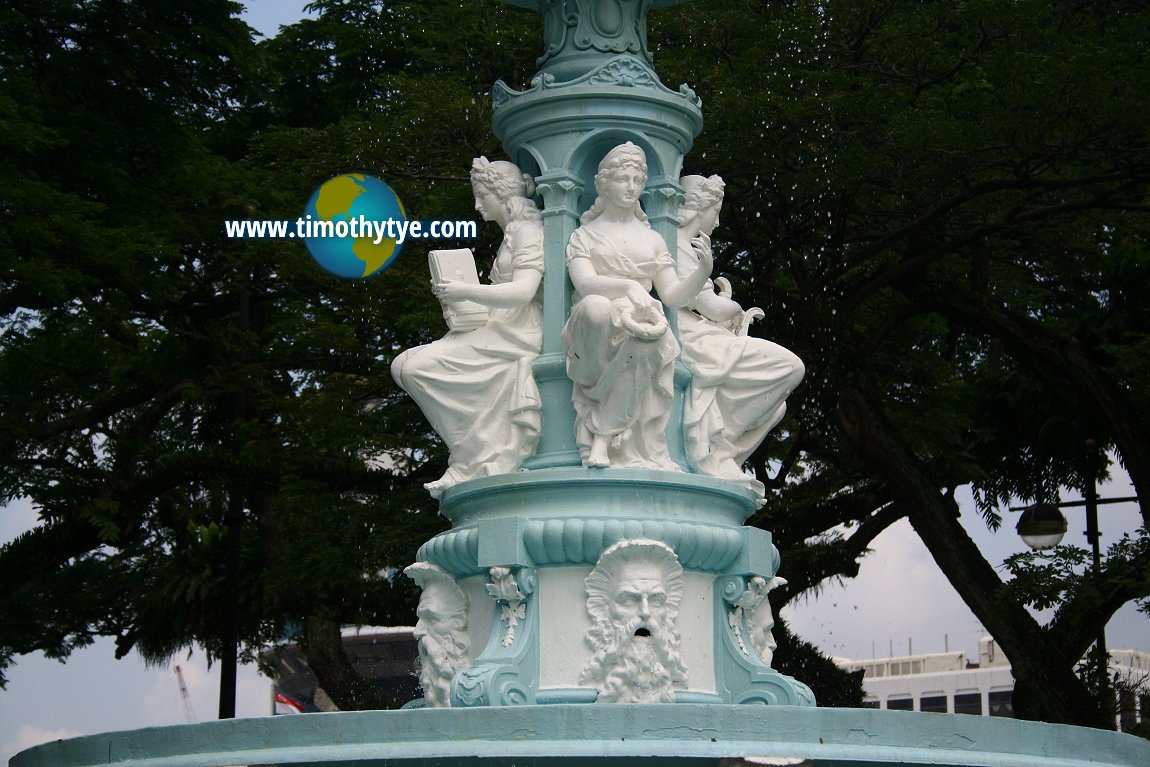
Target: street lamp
{"points": [[1042, 526]]}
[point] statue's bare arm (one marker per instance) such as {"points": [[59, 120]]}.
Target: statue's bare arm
{"points": [[507, 295]]}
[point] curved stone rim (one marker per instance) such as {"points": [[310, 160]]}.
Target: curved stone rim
{"points": [[683, 733], [455, 500], [579, 540]]}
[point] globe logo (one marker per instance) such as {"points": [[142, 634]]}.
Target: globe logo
{"points": [[342, 225]]}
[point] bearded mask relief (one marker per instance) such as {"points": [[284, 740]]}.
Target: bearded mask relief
{"points": [[633, 596], [441, 630]]}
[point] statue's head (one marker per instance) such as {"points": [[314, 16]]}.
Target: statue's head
{"points": [[633, 596], [442, 607], [500, 185], [502, 178], [703, 199], [622, 160], [636, 583], [624, 156], [441, 630]]}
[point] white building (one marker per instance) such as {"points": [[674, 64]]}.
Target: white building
{"points": [[948, 683]]}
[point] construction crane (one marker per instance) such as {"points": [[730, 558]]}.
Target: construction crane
{"points": [[189, 713]]}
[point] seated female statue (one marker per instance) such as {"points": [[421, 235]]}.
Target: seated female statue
{"points": [[620, 351], [476, 387], [739, 384]]}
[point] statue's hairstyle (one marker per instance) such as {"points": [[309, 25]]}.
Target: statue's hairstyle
{"points": [[624, 156], [702, 192], [609, 569], [429, 576], [512, 186]]}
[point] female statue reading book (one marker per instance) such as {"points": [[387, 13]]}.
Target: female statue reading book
{"points": [[476, 387], [620, 351]]}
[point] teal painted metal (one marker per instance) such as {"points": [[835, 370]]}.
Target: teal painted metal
{"points": [[577, 33], [592, 94], [570, 516], [554, 735], [506, 673]]}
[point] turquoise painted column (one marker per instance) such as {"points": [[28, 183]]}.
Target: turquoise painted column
{"points": [[561, 192], [595, 89], [578, 33]]}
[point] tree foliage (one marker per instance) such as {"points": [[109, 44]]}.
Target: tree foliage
{"points": [[944, 212], [942, 207]]}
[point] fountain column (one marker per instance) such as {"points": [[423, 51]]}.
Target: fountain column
{"points": [[544, 554]]}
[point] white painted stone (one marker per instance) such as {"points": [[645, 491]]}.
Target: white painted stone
{"points": [[441, 631], [739, 383], [475, 386], [633, 596], [620, 351], [563, 622], [697, 625]]}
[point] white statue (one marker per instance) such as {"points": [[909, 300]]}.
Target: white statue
{"points": [[441, 630], [476, 387], [753, 610], [633, 597], [620, 351], [739, 383]]}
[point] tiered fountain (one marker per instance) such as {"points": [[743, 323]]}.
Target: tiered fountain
{"points": [[598, 598]]}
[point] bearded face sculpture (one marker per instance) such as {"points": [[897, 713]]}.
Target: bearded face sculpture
{"points": [[441, 630], [633, 597]]}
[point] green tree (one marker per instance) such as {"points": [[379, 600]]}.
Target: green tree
{"points": [[943, 208], [191, 415]]}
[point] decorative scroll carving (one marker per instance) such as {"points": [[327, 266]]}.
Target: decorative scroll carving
{"points": [[579, 540], [623, 72], [504, 588], [490, 684], [441, 630], [633, 596], [628, 73]]}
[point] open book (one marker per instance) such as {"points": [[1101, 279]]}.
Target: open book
{"points": [[458, 264]]}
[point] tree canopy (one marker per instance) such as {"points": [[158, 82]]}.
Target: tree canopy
{"points": [[942, 207]]}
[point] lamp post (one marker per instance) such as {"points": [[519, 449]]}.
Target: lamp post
{"points": [[1042, 526]]}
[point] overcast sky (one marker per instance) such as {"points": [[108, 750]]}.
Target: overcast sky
{"points": [[898, 599]]}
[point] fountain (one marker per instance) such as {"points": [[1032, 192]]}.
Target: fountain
{"points": [[598, 599]]}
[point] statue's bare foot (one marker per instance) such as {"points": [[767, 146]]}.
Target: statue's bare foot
{"points": [[598, 456], [436, 488]]}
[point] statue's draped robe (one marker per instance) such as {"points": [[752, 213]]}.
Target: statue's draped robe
{"points": [[739, 385], [623, 384], [477, 388]]}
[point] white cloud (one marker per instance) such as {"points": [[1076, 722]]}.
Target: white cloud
{"points": [[165, 704], [899, 600]]}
